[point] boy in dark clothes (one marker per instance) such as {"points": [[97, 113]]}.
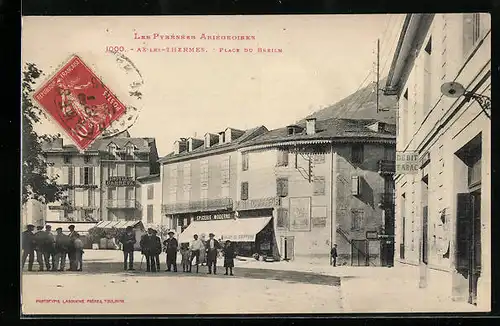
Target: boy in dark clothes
{"points": [[185, 257], [228, 257]]}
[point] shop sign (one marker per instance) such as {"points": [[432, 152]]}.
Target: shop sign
{"points": [[120, 181], [213, 217], [55, 207], [407, 162], [239, 237]]}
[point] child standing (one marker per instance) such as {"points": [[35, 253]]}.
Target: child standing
{"points": [[228, 257], [185, 257], [78, 243]]}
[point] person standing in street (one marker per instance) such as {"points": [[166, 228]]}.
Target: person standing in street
{"points": [[196, 248], [146, 248], [49, 249], [171, 246], [39, 242], [71, 248], [128, 241], [212, 251], [28, 246], [61, 249], [203, 251], [186, 261], [229, 257], [156, 251], [78, 244], [334, 255]]}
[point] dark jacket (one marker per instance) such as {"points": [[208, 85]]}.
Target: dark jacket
{"points": [[229, 252], [40, 239], [333, 252], [62, 243], [216, 245], [28, 240], [171, 245], [145, 244], [128, 241], [72, 237], [155, 245]]}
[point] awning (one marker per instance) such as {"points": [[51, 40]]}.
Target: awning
{"points": [[80, 227], [245, 229], [119, 224], [239, 230]]}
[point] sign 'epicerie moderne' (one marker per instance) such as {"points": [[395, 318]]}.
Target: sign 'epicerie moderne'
{"points": [[407, 162], [213, 217]]}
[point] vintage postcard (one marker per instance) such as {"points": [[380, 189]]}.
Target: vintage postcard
{"points": [[256, 164]]}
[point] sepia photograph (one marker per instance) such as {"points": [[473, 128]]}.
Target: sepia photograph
{"points": [[255, 164]]}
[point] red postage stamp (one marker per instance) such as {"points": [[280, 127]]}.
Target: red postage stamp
{"points": [[79, 102]]}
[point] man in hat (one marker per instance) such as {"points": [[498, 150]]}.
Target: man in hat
{"points": [[212, 250], [128, 241], [155, 252], [49, 248], [196, 247], [39, 242], [61, 249], [28, 246], [146, 248], [171, 250], [71, 248]]}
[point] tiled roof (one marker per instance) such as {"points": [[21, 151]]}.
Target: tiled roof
{"points": [[325, 129], [101, 144], [151, 177], [202, 151]]}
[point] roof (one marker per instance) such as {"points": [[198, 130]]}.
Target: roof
{"points": [[119, 224], [101, 145], [329, 129], [215, 148], [149, 178]]}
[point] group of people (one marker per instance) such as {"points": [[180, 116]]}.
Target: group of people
{"points": [[151, 248], [51, 250]]}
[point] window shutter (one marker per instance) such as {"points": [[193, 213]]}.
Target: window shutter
{"points": [[464, 218], [78, 175], [319, 186], [96, 174], [65, 175], [282, 187], [244, 190], [355, 185], [282, 220]]}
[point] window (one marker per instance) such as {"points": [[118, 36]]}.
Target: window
{"points": [[67, 159], [87, 159], [187, 182], [173, 184], [86, 175], [427, 78], [112, 170], [90, 197], [112, 149], [71, 176], [357, 153], [129, 170], [403, 126], [357, 219], [111, 193], [318, 159], [319, 186], [282, 187], [150, 213], [244, 190], [151, 190], [130, 150], [129, 193], [225, 176], [204, 175], [244, 161], [282, 157], [472, 31], [282, 220]]}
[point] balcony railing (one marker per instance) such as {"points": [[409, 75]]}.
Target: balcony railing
{"points": [[386, 167], [123, 203], [261, 203], [386, 200], [199, 206]]}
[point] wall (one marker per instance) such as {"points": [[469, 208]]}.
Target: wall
{"points": [[156, 202], [33, 212]]}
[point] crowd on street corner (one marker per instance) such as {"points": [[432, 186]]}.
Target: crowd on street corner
{"points": [[51, 250]]}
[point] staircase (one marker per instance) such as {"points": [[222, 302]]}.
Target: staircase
{"points": [[345, 235]]}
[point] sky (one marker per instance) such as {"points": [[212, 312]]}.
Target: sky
{"points": [[323, 59]]}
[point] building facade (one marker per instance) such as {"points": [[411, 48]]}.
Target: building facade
{"points": [[443, 214], [321, 182], [100, 183], [150, 193], [33, 212]]}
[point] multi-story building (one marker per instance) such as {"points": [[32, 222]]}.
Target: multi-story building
{"points": [[443, 215], [101, 181], [322, 183], [33, 212], [199, 180], [150, 193]]}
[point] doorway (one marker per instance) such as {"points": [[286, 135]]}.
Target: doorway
{"points": [[287, 248]]}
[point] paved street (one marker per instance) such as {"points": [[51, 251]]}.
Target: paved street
{"points": [[257, 287]]}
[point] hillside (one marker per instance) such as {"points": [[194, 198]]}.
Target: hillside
{"points": [[361, 105]]}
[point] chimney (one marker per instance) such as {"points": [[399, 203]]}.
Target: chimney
{"points": [[311, 126]]}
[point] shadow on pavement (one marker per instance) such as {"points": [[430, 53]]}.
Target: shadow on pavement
{"points": [[96, 267]]}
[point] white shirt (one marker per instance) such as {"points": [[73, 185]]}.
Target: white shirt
{"points": [[196, 245], [212, 244]]}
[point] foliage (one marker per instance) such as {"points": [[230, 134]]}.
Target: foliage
{"points": [[35, 182], [96, 234]]}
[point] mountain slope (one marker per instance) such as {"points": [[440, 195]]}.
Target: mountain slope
{"points": [[361, 105]]}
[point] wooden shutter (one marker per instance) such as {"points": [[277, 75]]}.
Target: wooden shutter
{"points": [[282, 220], [78, 175], [282, 187], [244, 190], [425, 240], [463, 235], [282, 158], [244, 161], [319, 186]]}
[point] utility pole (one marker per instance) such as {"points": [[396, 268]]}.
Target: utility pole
{"points": [[378, 72]]}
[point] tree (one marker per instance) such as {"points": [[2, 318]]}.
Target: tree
{"points": [[35, 182]]}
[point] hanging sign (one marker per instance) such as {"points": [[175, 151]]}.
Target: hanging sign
{"points": [[213, 217], [120, 181]]}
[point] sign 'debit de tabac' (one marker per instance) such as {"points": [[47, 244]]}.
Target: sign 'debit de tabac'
{"points": [[79, 102], [407, 162]]}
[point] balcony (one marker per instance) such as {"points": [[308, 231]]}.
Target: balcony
{"points": [[386, 200], [261, 203], [207, 205], [386, 167], [123, 203]]}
